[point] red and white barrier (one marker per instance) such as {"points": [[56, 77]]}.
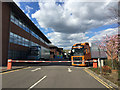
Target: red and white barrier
{"points": [[48, 61], [9, 65]]}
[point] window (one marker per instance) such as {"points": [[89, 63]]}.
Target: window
{"points": [[24, 27], [11, 37], [23, 41], [12, 18], [46, 43], [36, 44], [32, 33], [27, 29], [37, 37], [19, 40], [40, 38], [26, 42], [16, 21], [20, 24], [32, 44], [15, 38]]}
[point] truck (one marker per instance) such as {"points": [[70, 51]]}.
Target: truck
{"points": [[80, 52]]}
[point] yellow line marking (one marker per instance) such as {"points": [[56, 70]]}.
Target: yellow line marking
{"points": [[98, 79], [14, 70]]}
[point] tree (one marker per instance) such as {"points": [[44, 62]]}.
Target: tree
{"points": [[116, 19], [111, 45], [115, 14]]}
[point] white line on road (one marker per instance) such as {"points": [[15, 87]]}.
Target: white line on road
{"points": [[69, 70], [37, 82], [36, 69]]}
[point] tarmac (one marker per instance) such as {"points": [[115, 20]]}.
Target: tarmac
{"points": [[4, 68]]}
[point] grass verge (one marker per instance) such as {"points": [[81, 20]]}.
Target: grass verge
{"points": [[113, 76]]}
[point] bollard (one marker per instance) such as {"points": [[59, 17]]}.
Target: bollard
{"points": [[9, 64], [94, 63]]}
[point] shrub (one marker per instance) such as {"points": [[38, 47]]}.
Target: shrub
{"points": [[106, 69], [109, 63]]}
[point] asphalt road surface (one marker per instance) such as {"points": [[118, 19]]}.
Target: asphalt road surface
{"points": [[50, 77]]}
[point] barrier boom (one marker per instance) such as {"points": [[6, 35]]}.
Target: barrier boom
{"points": [[9, 64]]}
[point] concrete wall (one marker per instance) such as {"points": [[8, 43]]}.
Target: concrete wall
{"points": [[5, 31], [0, 33]]}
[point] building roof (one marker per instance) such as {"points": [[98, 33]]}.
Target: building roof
{"points": [[23, 17], [95, 54], [60, 48], [52, 46]]}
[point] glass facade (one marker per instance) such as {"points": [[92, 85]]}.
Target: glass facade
{"points": [[13, 54], [16, 39], [19, 23]]}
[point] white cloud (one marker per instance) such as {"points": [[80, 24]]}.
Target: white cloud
{"points": [[99, 35], [28, 8], [66, 0], [72, 17], [66, 40], [72, 20]]}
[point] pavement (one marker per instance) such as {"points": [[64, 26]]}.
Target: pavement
{"points": [[20, 66], [51, 77], [4, 68], [104, 79]]}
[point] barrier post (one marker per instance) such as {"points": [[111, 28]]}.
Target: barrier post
{"points": [[94, 63], [9, 64]]}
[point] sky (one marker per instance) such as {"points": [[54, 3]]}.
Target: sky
{"points": [[66, 22]]}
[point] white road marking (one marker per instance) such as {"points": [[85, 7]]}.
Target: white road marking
{"points": [[80, 67], [37, 82], [69, 70], [36, 69]]}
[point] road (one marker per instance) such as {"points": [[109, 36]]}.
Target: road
{"points": [[50, 77]]}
